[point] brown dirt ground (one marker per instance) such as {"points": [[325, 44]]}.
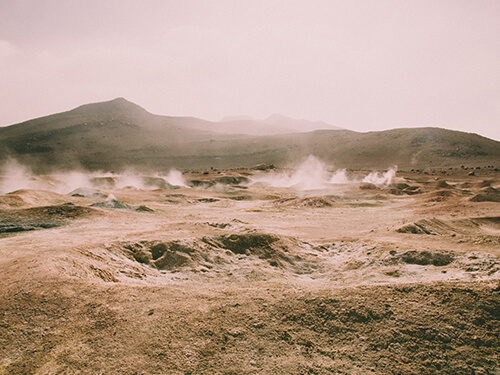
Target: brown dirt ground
{"points": [[232, 279]]}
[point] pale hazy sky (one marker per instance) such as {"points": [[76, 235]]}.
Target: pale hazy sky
{"points": [[363, 65]]}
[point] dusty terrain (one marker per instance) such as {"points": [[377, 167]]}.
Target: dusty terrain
{"points": [[254, 271]]}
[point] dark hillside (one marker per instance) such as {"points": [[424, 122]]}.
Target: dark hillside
{"points": [[118, 134]]}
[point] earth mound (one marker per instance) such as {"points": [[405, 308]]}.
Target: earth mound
{"points": [[424, 258], [84, 192], [33, 197], [488, 194], [442, 184], [11, 201], [27, 219], [305, 202], [215, 251], [427, 226], [112, 202]]}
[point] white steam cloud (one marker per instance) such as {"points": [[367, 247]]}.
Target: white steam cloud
{"points": [[175, 177], [310, 174], [14, 176], [313, 174], [384, 179], [340, 177]]}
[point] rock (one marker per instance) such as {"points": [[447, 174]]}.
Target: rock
{"points": [[144, 209], [111, 202]]}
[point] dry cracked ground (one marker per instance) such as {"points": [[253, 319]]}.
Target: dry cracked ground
{"points": [[225, 276]]}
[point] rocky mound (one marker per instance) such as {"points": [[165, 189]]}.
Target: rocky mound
{"points": [[426, 226], [32, 197], [305, 202], [439, 195], [491, 221], [28, 219], [210, 181], [85, 192], [111, 202], [488, 194], [425, 258], [442, 184], [11, 201], [157, 183], [473, 229], [216, 251]]}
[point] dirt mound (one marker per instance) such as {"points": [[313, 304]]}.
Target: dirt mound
{"points": [[25, 227], [263, 167], [143, 208], [439, 195], [210, 181], [485, 183], [112, 202], [424, 258], [442, 184], [488, 194], [399, 186], [210, 252], [476, 185], [492, 221], [11, 201], [59, 212], [427, 226], [85, 192], [475, 229], [368, 186], [202, 184], [162, 255], [412, 190], [264, 246], [231, 180], [38, 197], [28, 219], [158, 183], [305, 202]]}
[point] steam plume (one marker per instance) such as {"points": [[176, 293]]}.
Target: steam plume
{"points": [[385, 179], [313, 173]]}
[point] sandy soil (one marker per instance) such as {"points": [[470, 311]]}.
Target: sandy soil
{"points": [[231, 277]]}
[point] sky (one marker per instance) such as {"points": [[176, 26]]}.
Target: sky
{"points": [[364, 65]]}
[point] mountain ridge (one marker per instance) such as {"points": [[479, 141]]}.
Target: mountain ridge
{"points": [[119, 134]]}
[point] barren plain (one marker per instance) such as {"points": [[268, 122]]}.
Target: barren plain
{"points": [[252, 271]]}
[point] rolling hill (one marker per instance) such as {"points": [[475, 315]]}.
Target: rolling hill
{"points": [[118, 134]]}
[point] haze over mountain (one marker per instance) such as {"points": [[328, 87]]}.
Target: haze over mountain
{"points": [[118, 134], [274, 124]]}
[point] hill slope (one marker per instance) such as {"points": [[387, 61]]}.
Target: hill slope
{"points": [[118, 134]]}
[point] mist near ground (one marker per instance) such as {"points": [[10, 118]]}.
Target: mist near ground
{"points": [[309, 174], [313, 173], [15, 176]]}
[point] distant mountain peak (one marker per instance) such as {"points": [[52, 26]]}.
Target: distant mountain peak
{"points": [[120, 99], [115, 106]]}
